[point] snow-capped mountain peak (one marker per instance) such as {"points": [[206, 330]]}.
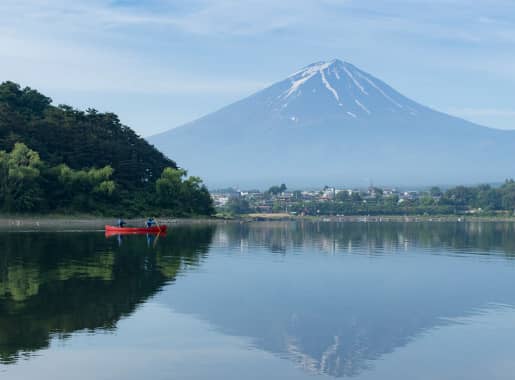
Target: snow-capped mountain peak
{"points": [[330, 122], [355, 92]]}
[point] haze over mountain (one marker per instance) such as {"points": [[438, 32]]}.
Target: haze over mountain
{"points": [[332, 123]]}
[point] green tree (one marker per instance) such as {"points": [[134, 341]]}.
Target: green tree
{"points": [[343, 196], [238, 206], [85, 161], [169, 188], [488, 198], [20, 179], [356, 197], [426, 201], [84, 190], [276, 190], [435, 191], [181, 195], [76, 138], [507, 192]]}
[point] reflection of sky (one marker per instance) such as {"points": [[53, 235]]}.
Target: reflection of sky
{"points": [[161, 63], [159, 343]]}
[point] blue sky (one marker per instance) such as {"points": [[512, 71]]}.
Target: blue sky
{"points": [[161, 63]]}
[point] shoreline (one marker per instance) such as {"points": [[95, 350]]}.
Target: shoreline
{"points": [[93, 223], [380, 218], [85, 223]]}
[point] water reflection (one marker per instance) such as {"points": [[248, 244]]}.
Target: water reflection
{"points": [[55, 284], [336, 316], [333, 299], [281, 237]]}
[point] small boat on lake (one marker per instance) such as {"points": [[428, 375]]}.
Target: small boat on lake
{"points": [[115, 230]]}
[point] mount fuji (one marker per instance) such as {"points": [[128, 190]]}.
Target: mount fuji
{"points": [[332, 123]]}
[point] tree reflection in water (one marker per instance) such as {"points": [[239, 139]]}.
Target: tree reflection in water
{"points": [[52, 284]]}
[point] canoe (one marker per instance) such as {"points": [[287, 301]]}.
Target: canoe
{"points": [[135, 230], [110, 234]]}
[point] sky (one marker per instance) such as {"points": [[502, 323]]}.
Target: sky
{"points": [[161, 63]]}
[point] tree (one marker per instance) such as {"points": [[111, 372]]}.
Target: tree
{"points": [[85, 161], [84, 189], [343, 196], [238, 206], [488, 198], [20, 176], [507, 192], [183, 196], [461, 195], [169, 188], [426, 201], [356, 197], [63, 135], [435, 191], [276, 190]]}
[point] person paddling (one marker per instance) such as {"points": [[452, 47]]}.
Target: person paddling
{"points": [[121, 223], [150, 222]]}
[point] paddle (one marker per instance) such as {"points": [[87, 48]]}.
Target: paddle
{"points": [[157, 224], [159, 233]]}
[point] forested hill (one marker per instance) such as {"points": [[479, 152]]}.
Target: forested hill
{"points": [[76, 138], [59, 159]]}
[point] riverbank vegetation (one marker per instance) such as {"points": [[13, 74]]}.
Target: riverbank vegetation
{"points": [[56, 159]]}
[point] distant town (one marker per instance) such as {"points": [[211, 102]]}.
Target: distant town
{"points": [[482, 199]]}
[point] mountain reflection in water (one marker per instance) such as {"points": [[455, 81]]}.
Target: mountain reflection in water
{"points": [[331, 298], [389, 283]]}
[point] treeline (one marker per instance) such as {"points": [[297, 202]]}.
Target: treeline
{"points": [[28, 184], [62, 160], [482, 199]]}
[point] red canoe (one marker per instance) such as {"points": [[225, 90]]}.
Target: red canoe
{"points": [[134, 230]]}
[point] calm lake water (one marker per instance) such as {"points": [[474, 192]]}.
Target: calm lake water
{"points": [[261, 301]]}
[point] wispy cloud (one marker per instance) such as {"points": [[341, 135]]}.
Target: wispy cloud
{"points": [[238, 17], [66, 57], [230, 48]]}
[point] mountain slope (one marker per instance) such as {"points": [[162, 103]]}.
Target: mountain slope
{"points": [[333, 123]]}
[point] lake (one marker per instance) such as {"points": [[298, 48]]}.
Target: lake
{"points": [[282, 300]]}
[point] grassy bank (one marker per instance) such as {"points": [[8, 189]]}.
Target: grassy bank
{"points": [[83, 222], [93, 223], [379, 218]]}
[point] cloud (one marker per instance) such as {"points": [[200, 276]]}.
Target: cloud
{"points": [[63, 55], [236, 17], [160, 46], [436, 19]]}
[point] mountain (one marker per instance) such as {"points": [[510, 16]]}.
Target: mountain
{"points": [[332, 123]]}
